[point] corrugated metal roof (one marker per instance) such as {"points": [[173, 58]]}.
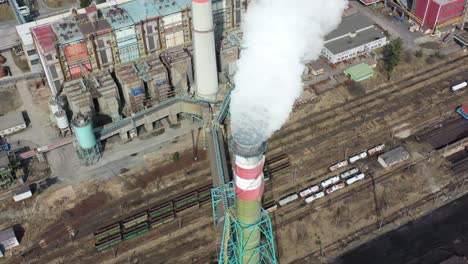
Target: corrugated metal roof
{"points": [[349, 24], [46, 37]]}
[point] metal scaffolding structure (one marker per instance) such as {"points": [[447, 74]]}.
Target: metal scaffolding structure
{"points": [[234, 230], [233, 241]]}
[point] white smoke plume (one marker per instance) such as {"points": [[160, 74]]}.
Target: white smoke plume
{"points": [[279, 36]]}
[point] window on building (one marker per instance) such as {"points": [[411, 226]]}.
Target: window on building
{"points": [[103, 54], [49, 57], [34, 62], [31, 52], [57, 85], [151, 43], [100, 43], [53, 71]]}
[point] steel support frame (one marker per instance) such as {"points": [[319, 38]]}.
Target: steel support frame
{"points": [[232, 237], [90, 156]]}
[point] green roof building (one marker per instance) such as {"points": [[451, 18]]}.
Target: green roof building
{"points": [[359, 72]]}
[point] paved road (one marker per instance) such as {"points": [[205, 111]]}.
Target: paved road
{"points": [[396, 29], [8, 33]]}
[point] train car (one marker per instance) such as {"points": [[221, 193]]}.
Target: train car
{"points": [[335, 187], [161, 209], [314, 197], [357, 157], [107, 231], [349, 173], [186, 201], [135, 231], [309, 190], [338, 165], [459, 86], [288, 199], [377, 149], [135, 220], [204, 192], [108, 242], [356, 178], [463, 111], [330, 181], [270, 206], [160, 220]]}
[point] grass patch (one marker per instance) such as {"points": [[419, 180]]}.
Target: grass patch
{"points": [[6, 14], [20, 62], [59, 3], [430, 45]]}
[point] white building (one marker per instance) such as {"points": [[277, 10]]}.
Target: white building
{"points": [[11, 123], [393, 157], [8, 240], [355, 35]]}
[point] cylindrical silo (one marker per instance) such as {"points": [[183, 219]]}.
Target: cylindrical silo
{"points": [[62, 120], [84, 132], [206, 73], [249, 184], [88, 146], [54, 106]]}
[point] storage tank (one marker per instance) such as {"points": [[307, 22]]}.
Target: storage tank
{"points": [[53, 104], [84, 132], [61, 119]]}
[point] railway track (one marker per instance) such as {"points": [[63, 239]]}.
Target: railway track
{"points": [[348, 117], [342, 243], [381, 93], [323, 146]]}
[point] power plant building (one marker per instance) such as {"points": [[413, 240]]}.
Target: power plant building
{"points": [[355, 35], [439, 13]]}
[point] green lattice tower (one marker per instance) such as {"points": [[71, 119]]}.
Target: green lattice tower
{"points": [[234, 230]]}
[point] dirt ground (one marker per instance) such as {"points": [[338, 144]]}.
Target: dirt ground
{"points": [[10, 99]]}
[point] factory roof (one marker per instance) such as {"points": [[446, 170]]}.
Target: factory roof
{"points": [[10, 120], [8, 238], [444, 2], [393, 156], [117, 17], [67, 31], [140, 11], [168, 7], [4, 160], [45, 36], [353, 41], [93, 27], [359, 72], [351, 23]]}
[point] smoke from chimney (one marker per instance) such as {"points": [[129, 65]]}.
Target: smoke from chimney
{"points": [[279, 36]]}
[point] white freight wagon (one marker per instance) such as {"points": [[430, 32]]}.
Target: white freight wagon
{"points": [[309, 190], [288, 199], [338, 165], [355, 178], [376, 149], [314, 197], [349, 173], [459, 86]]}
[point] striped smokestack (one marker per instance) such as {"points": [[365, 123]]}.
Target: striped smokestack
{"points": [[249, 184], [206, 75]]}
